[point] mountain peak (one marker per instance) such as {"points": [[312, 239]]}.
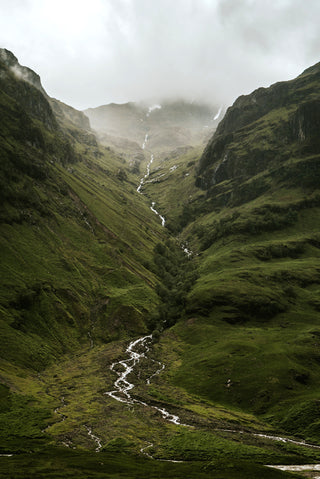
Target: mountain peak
{"points": [[7, 57], [20, 72]]}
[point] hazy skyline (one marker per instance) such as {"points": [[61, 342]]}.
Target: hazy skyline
{"points": [[90, 53]]}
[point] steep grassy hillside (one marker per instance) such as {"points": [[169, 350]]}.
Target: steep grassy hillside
{"points": [[249, 210], [74, 233], [263, 130], [251, 340]]}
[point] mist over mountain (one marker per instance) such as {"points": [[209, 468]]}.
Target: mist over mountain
{"points": [[98, 52], [158, 126]]}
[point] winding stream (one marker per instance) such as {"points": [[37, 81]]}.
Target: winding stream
{"points": [[163, 221], [136, 350], [143, 180], [95, 438], [272, 438], [146, 175]]}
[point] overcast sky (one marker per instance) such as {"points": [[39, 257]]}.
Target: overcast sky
{"points": [[93, 52]]}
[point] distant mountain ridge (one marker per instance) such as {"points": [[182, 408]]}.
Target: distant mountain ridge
{"points": [[168, 124]]}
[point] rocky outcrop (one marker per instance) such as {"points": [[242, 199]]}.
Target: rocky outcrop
{"points": [[24, 85], [263, 129], [21, 72], [305, 123], [69, 114]]}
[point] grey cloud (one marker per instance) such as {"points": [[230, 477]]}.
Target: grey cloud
{"points": [[93, 52]]}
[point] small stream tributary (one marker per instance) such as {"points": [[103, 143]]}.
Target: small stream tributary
{"points": [[153, 204], [143, 179]]}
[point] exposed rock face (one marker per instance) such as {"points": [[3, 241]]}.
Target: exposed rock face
{"points": [[30, 102], [21, 72], [70, 114], [24, 85], [73, 122], [305, 123], [264, 128]]}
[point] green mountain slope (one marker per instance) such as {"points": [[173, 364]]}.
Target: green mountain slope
{"points": [[251, 337], [74, 236]]}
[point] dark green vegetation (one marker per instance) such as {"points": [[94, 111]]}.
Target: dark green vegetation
{"points": [[86, 266], [177, 274], [62, 463], [252, 341], [73, 236]]}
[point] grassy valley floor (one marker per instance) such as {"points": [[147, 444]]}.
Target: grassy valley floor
{"points": [[68, 400]]}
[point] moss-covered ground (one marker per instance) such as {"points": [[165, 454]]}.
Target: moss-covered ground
{"points": [[44, 424]]}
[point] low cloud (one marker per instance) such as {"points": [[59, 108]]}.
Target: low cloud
{"points": [[94, 52]]}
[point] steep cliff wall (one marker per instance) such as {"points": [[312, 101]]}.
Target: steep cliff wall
{"points": [[263, 129]]}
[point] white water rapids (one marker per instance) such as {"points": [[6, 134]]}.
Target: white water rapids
{"points": [[299, 468], [218, 113], [163, 221], [146, 175], [136, 350]]}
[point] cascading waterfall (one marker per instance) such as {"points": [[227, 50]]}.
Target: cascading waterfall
{"points": [[146, 175], [142, 181], [163, 221]]}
